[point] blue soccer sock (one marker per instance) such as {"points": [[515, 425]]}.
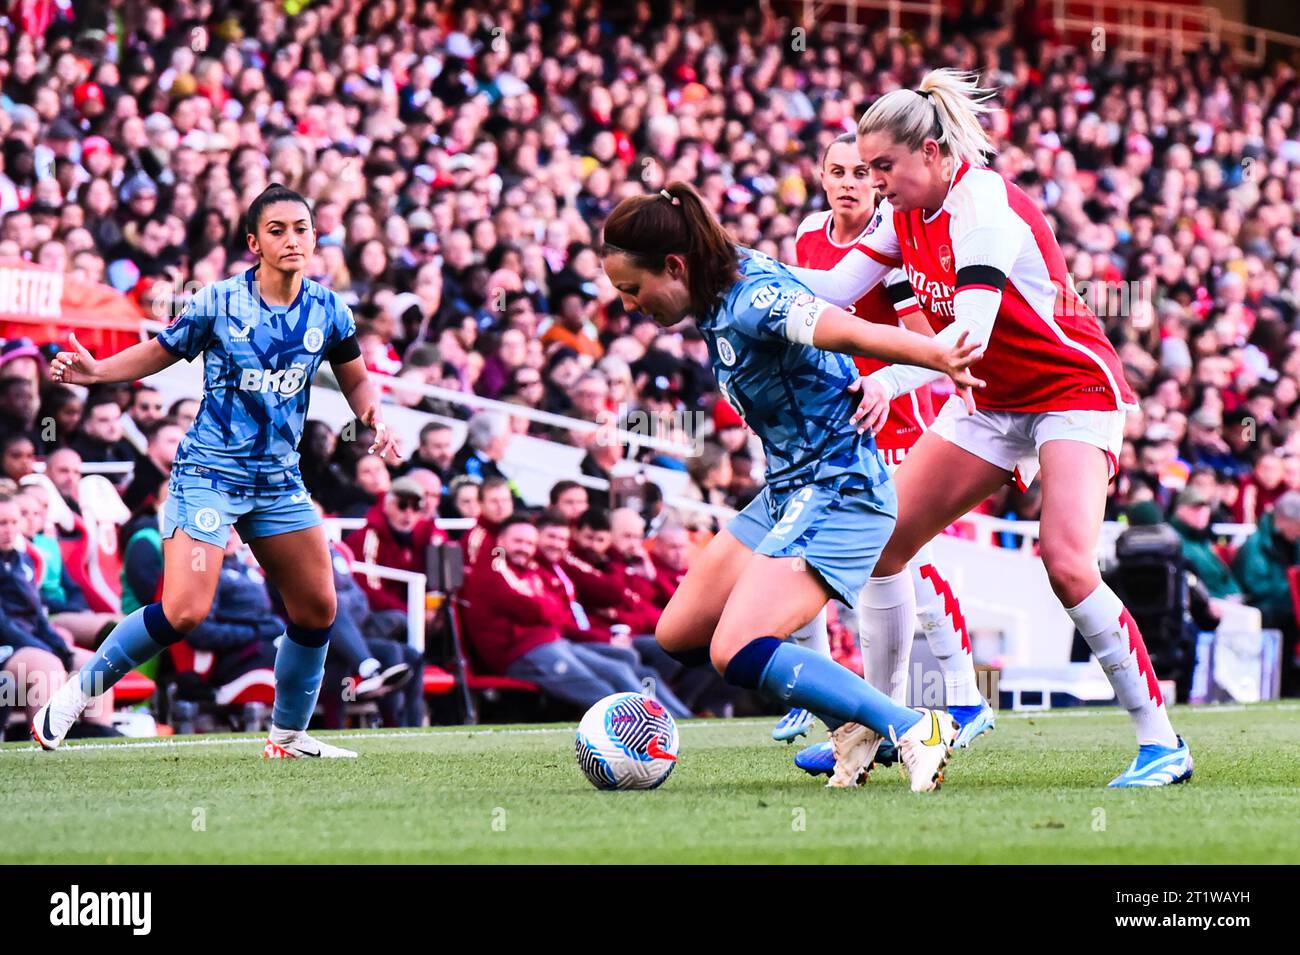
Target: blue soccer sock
{"points": [[139, 638], [794, 674], [299, 669]]}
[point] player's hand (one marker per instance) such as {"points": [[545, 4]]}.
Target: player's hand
{"points": [[76, 367], [386, 444], [968, 399], [873, 409], [958, 359]]}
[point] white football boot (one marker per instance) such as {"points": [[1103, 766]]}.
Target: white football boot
{"points": [[854, 747], [55, 718], [925, 749], [296, 744]]}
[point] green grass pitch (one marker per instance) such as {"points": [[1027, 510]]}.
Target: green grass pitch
{"points": [[1031, 792]]}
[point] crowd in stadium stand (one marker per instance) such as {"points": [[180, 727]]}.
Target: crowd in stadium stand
{"points": [[460, 161]]}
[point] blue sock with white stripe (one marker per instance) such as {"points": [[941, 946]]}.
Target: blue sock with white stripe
{"points": [[139, 638], [794, 674], [299, 669]]}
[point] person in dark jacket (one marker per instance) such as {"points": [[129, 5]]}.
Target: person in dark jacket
{"points": [[101, 438], [155, 466], [1262, 567], [486, 440], [1192, 522], [31, 650]]}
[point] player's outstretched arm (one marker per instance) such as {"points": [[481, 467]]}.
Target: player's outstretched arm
{"points": [[852, 277], [363, 398], [80, 367], [837, 330]]}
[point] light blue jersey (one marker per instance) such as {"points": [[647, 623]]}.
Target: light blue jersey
{"points": [[258, 365], [792, 395]]}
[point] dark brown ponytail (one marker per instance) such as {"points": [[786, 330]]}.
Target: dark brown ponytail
{"points": [[675, 220]]}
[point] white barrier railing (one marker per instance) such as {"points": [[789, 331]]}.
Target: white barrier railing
{"points": [[415, 589], [336, 527]]}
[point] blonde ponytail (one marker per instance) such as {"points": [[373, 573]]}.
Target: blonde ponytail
{"points": [[946, 108]]}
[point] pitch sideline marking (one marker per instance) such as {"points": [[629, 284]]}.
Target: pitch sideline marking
{"points": [[547, 730]]}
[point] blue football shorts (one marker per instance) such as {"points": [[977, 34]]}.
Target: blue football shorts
{"points": [[838, 530], [205, 506]]}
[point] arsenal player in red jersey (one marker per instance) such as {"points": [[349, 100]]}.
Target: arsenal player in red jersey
{"points": [[823, 239], [984, 263]]}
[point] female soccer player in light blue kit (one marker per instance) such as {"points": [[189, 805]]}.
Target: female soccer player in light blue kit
{"points": [[814, 533], [263, 335]]}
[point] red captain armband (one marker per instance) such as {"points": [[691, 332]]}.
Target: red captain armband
{"points": [[981, 276], [344, 351]]}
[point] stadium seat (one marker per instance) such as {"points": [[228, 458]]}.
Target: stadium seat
{"points": [[76, 549], [477, 682], [103, 513], [133, 688], [244, 701], [437, 681]]}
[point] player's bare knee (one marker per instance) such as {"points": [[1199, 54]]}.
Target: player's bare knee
{"points": [[185, 615], [1072, 575], [720, 654], [316, 613], [672, 637]]}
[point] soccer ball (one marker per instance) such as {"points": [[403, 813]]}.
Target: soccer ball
{"points": [[627, 741]]}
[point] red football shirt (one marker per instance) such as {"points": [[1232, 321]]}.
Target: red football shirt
{"points": [[910, 414]]}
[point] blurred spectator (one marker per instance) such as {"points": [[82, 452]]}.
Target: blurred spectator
{"points": [[486, 440], [496, 506], [464, 499], [515, 627], [671, 553], [628, 553], [163, 436], [372, 481], [39, 658], [142, 553], [604, 452], [1192, 522], [711, 476], [145, 408], [17, 456], [100, 438], [321, 474], [569, 499], [57, 420], [432, 491], [18, 407], [63, 468], [396, 534], [63, 599], [1261, 566], [572, 326], [184, 410], [507, 358], [1261, 488], [436, 452]]}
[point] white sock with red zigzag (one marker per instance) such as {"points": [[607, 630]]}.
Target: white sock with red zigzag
{"points": [[945, 630], [1115, 640]]}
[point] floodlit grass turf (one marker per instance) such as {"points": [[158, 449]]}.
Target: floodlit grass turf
{"points": [[1031, 792]]}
